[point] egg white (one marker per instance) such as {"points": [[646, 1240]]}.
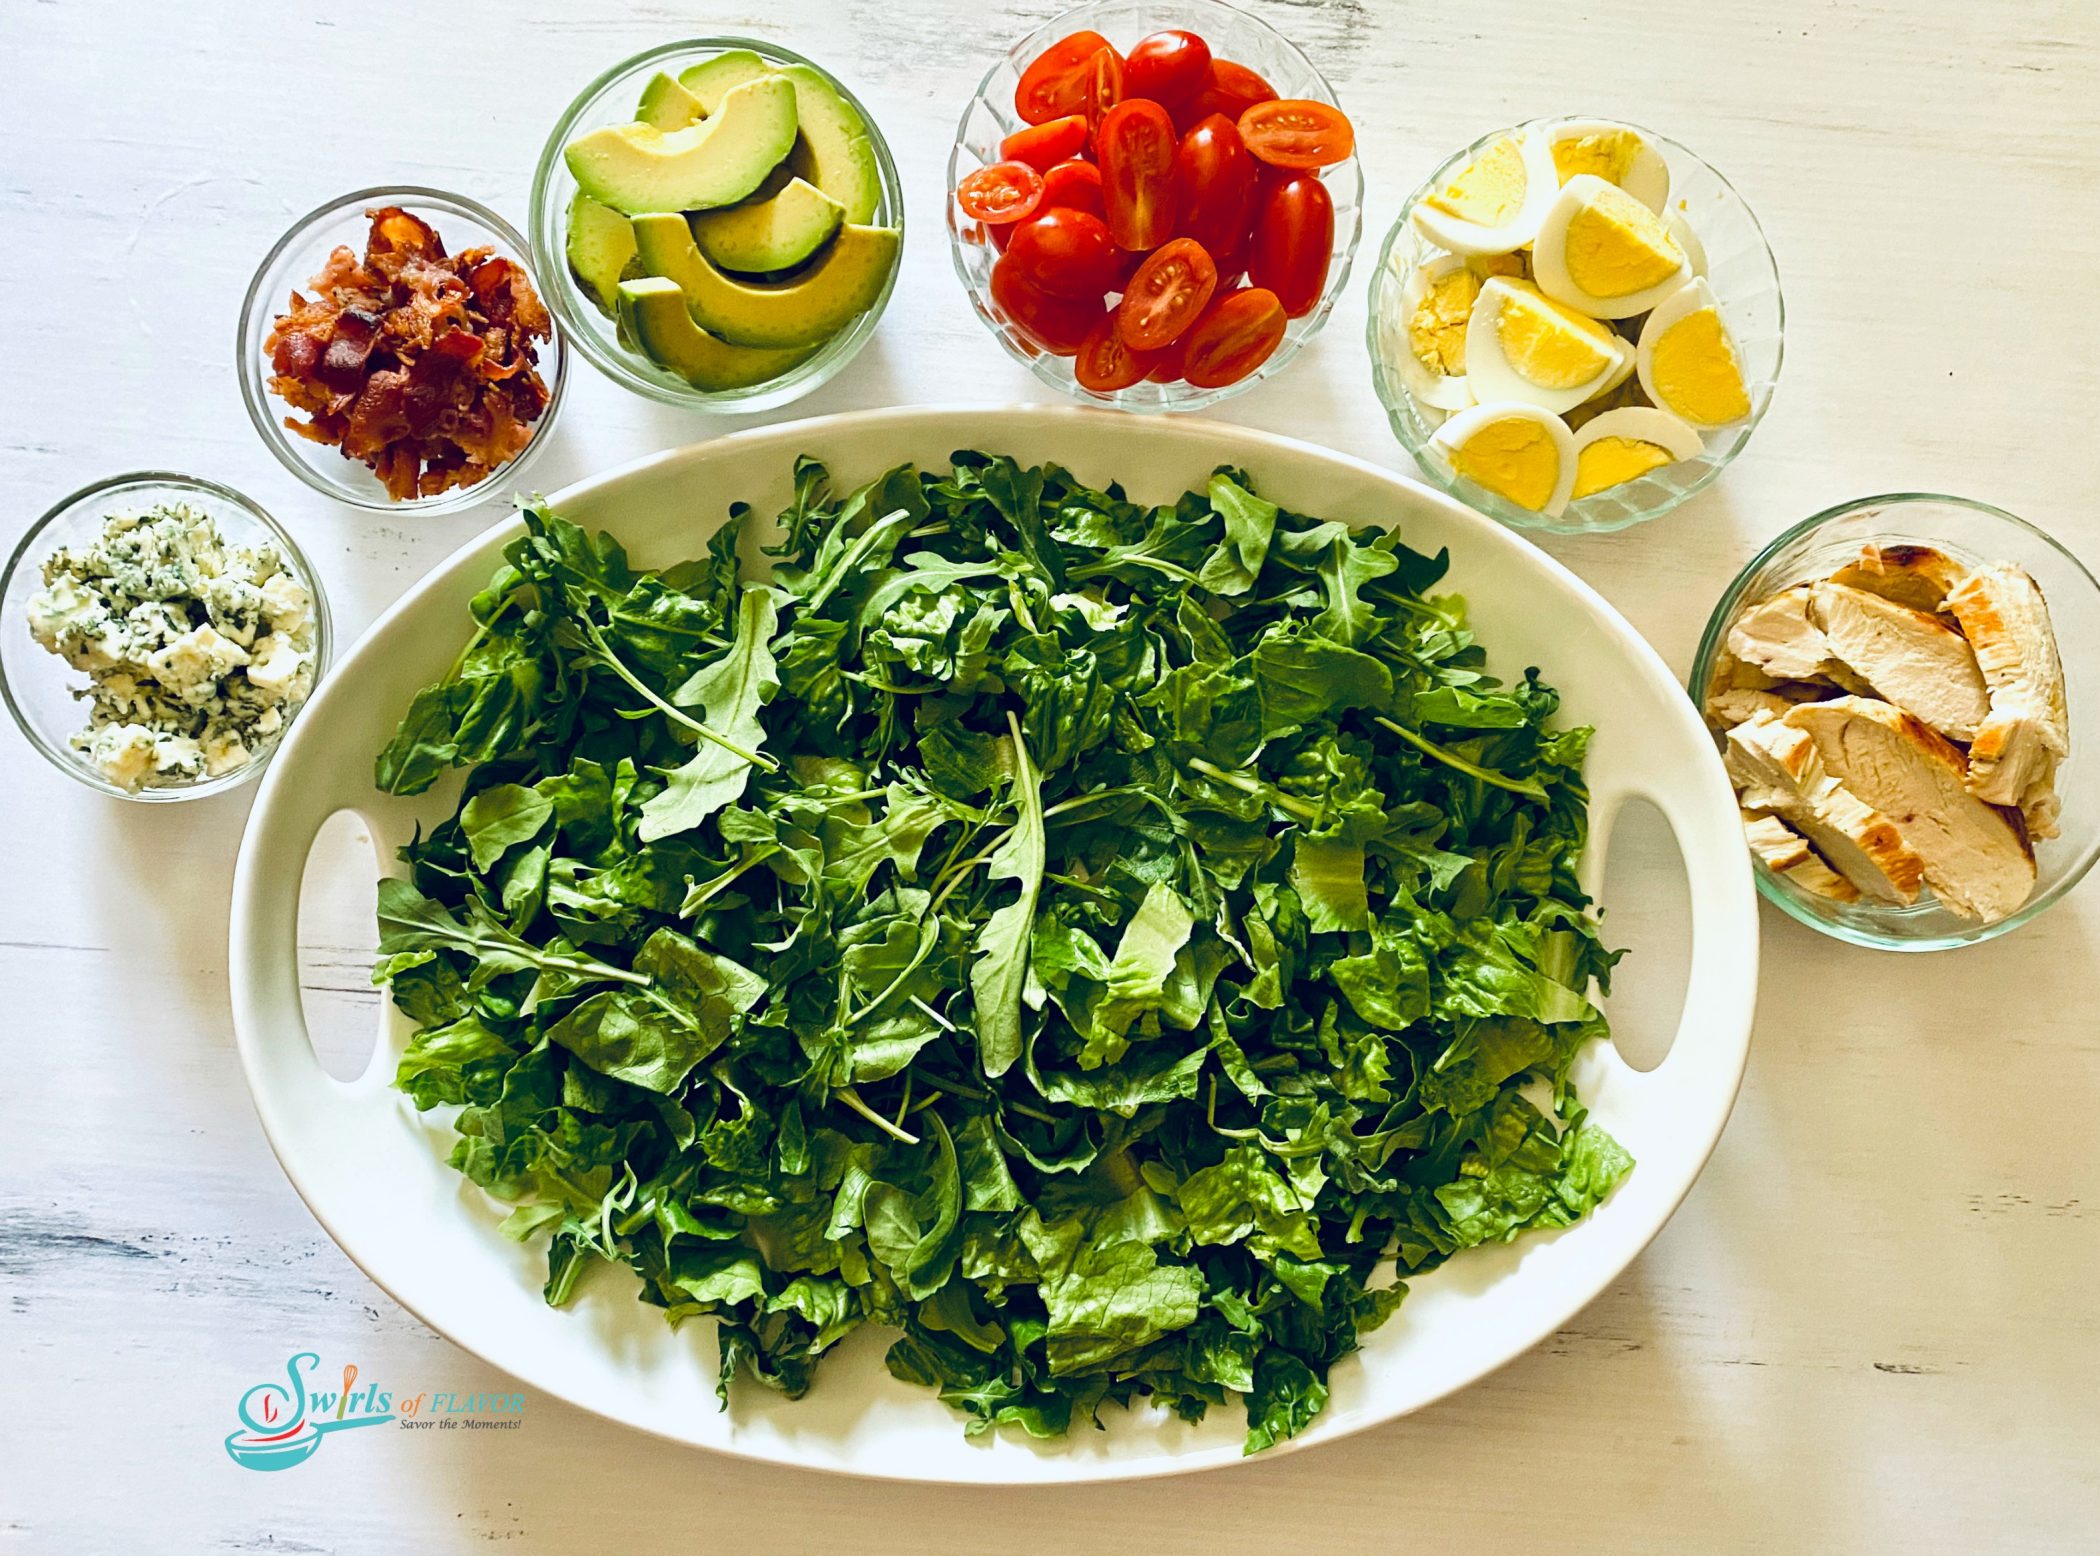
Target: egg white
{"points": [[1444, 391], [1460, 236], [1647, 179], [1549, 263], [1456, 432], [1491, 377]]}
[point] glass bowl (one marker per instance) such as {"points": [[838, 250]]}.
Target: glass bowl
{"points": [[39, 686], [1967, 531], [1745, 279], [611, 100], [462, 224], [989, 118]]}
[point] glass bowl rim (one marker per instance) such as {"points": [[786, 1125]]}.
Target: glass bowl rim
{"points": [[1710, 640], [562, 297], [1037, 364], [1389, 391], [172, 481], [255, 392]]}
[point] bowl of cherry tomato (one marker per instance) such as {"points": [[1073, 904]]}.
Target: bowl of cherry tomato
{"points": [[1153, 204]]}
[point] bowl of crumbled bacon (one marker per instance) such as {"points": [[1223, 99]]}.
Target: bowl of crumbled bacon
{"points": [[395, 353]]}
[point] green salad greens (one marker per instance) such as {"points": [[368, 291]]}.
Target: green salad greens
{"points": [[1109, 947]]}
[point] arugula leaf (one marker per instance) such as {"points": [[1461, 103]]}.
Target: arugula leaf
{"points": [[1002, 944], [729, 694]]}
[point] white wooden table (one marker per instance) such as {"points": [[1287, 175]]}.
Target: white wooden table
{"points": [[1873, 1326]]}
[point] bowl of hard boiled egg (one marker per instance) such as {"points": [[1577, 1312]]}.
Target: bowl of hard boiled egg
{"points": [[1575, 324]]}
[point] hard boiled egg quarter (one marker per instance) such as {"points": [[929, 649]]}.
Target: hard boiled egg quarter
{"points": [[1429, 335], [1687, 359], [1495, 202], [1517, 451], [1624, 445], [1522, 345], [1603, 252], [1617, 153]]}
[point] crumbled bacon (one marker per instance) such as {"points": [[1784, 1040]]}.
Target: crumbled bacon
{"points": [[419, 364]]}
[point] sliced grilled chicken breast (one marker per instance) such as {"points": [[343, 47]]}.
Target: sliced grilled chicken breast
{"points": [[1916, 576], [2027, 729], [1976, 856], [1776, 768], [1906, 656]]}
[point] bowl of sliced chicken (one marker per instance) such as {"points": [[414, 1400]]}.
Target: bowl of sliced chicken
{"points": [[1895, 685]]}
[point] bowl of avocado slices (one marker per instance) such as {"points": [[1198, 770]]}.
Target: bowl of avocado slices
{"points": [[719, 223]]}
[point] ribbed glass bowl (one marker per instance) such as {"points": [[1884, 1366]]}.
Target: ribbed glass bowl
{"points": [[39, 686], [460, 223], [611, 100], [1967, 531], [989, 118], [1745, 279]]}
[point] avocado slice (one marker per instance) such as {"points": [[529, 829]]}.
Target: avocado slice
{"points": [[634, 168], [600, 248], [769, 234], [832, 149], [653, 314], [666, 105], [809, 307]]}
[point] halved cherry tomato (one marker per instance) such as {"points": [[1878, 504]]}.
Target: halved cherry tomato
{"points": [[1075, 185], [1002, 192], [1169, 290], [1169, 67], [1298, 132], [1104, 83], [1106, 361], [1215, 178], [1057, 324], [1293, 241], [1136, 146], [1231, 89], [1067, 253], [1043, 146], [1055, 82], [1236, 334]]}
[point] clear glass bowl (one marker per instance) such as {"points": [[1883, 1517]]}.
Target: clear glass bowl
{"points": [[39, 687], [462, 224], [611, 100], [1967, 531], [1745, 279], [989, 118]]}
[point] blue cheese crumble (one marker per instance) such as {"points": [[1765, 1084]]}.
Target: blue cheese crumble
{"points": [[196, 651]]}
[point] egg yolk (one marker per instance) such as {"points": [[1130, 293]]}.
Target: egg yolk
{"points": [[1548, 345], [1696, 373], [1437, 331], [1612, 461], [1489, 190], [1616, 246], [1513, 457], [1608, 154], [1516, 264]]}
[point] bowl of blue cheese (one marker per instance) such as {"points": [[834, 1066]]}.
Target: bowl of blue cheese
{"points": [[158, 635]]}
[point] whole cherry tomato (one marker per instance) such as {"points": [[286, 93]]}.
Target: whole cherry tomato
{"points": [[1075, 185], [1229, 88], [1169, 290], [1067, 253], [1106, 362], [1169, 67], [1136, 146], [1002, 192], [1215, 178], [1044, 145], [1055, 82], [1056, 324], [1298, 132], [1237, 333], [1292, 243]]}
